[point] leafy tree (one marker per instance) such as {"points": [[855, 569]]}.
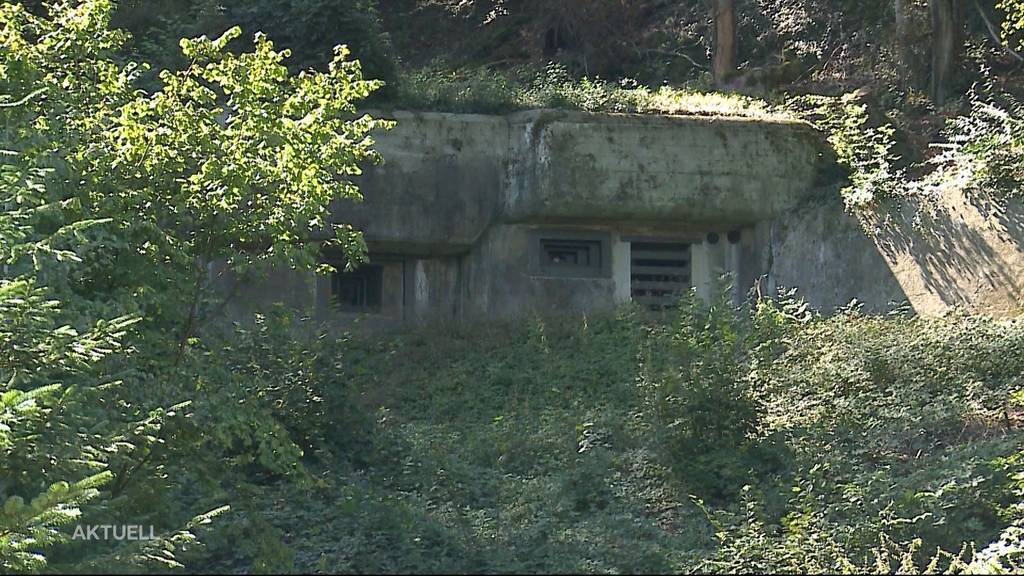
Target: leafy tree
{"points": [[310, 28], [232, 158], [48, 471], [117, 203], [1013, 22]]}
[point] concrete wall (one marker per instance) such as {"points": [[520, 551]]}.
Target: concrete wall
{"points": [[439, 187], [459, 197], [502, 283], [447, 177], [454, 212], [579, 166], [955, 250]]}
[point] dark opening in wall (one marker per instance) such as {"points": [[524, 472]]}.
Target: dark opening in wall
{"points": [[570, 254], [659, 273], [582, 253], [358, 290]]}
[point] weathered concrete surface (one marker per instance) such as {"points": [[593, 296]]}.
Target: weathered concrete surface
{"points": [[954, 251], [458, 197], [500, 283], [451, 213], [447, 177], [966, 252], [825, 254], [439, 186], [624, 167]]}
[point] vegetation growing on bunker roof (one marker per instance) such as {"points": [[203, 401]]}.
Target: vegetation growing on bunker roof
{"points": [[490, 91]]}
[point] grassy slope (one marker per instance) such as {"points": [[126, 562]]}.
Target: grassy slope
{"points": [[538, 447], [504, 449]]}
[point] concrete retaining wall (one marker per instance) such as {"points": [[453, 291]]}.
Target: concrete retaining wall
{"points": [[957, 250]]}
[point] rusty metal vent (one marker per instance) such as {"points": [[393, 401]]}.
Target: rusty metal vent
{"points": [[659, 273]]}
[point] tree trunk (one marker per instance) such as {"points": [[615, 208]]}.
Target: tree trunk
{"points": [[909, 67], [947, 40], [723, 14], [902, 46]]}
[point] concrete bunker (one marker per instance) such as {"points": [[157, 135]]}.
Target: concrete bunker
{"points": [[481, 216]]}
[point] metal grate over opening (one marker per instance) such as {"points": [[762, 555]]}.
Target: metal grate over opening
{"points": [[659, 273]]}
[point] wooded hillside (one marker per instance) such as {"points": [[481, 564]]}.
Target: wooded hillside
{"points": [[143, 140]]}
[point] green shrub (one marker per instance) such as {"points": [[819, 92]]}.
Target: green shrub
{"points": [[846, 443], [114, 203], [482, 90], [705, 398], [979, 151]]}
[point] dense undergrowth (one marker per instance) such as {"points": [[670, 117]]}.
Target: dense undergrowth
{"points": [[710, 439], [977, 154], [489, 91], [715, 440]]}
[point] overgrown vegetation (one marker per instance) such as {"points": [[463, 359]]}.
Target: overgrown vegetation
{"points": [[309, 30], [116, 410], [865, 73], [767, 438], [482, 90], [770, 439], [978, 155]]}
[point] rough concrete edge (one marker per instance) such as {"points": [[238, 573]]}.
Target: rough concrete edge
{"points": [[533, 114]]}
